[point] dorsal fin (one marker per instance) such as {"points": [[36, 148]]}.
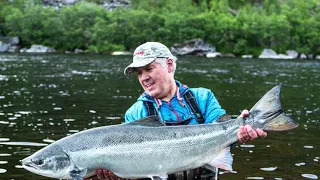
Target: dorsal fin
{"points": [[153, 121], [223, 118]]}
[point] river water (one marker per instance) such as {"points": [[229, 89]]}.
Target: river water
{"points": [[46, 97]]}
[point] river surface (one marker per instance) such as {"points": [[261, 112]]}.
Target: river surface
{"points": [[46, 97]]}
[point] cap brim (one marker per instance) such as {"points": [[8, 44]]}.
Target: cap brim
{"points": [[130, 69]]}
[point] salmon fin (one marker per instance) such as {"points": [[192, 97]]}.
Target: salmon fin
{"points": [[152, 121], [280, 123], [74, 171], [267, 113], [161, 177], [223, 160], [78, 174], [223, 118]]}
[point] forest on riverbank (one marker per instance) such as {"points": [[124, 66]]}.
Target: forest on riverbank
{"points": [[239, 27]]}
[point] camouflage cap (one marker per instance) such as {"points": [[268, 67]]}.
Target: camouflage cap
{"points": [[146, 54]]}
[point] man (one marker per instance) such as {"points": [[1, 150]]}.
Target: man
{"points": [[173, 102]]}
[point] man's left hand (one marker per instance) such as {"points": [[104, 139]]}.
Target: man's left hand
{"points": [[246, 133]]}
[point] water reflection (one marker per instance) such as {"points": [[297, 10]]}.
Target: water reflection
{"points": [[256, 178], [310, 176], [268, 168], [23, 144], [46, 97]]}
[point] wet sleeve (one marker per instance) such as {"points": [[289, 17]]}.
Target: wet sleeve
{"points": [[213, 110], [135, 112], [209, 105]]}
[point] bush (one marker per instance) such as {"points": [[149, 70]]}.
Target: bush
{"points": [[255, 25]]}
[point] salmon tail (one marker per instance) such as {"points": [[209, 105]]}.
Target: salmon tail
{"points": [[267, 113]]}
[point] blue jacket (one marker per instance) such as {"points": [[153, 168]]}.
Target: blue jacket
{"points": [[177, 109]]}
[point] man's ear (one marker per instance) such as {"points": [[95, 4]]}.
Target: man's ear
{"points": [[170, 65]]}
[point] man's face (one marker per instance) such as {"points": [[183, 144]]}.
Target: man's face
{"points": [[156, 80]]}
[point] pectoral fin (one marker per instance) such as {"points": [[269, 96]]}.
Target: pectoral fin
{"points": [[152, 121], [223, 160], [223, 118], [161, 177], [78, 174]]}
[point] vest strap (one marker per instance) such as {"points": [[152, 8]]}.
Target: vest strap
{"points": [[150, 108], [190, 100]]}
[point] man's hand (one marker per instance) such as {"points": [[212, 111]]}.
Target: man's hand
{"points": [[103, 174], [246, 133]]}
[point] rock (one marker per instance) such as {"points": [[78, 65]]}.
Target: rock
{"points": [[284, 56], [107, 4], [60, 3], [249, 56], [303, 56], [310, 56], [317, 57], [14, 41], [228, 55], [78, 51], [69, 2], [269, 54], [40, 49], [292, 53], [14, 49], [49, 2], [116, 53], [23, 50], [114, 4], [192, 47], [4, 47], [213, 54]]}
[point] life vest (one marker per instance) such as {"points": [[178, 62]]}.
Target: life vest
{"points": [[190, 100]]}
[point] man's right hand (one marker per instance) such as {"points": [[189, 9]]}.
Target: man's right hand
{"points": [[103, 174]]}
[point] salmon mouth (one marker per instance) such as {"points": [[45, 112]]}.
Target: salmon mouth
{"points": [[29, 165]]}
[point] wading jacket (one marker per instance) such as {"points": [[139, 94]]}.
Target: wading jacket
{"points": [[177, 109]]}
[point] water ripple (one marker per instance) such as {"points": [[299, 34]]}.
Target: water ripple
{"points": [[257, 178], [268, 169], [247, 145], [23, 144], [310, 176], [4, 139]]}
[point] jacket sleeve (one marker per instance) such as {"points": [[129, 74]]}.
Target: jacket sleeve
{"points": [[208, 104], [135, 112]]}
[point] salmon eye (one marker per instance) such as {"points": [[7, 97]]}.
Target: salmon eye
{"points": [[38, 161]]}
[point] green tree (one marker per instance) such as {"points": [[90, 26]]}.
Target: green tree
{"points": [[232, 26], [184, 27], [11, 24], [301, 16], [77, 22], [252, 22], [40, 26]]}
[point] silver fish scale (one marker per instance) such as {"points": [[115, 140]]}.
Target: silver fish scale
{"points": [[124, 151]]}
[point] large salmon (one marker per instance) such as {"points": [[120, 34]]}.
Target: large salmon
{"points": [[147, 148]]}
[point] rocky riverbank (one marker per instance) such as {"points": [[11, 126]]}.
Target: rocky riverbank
{"points": [[195, 47]]}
